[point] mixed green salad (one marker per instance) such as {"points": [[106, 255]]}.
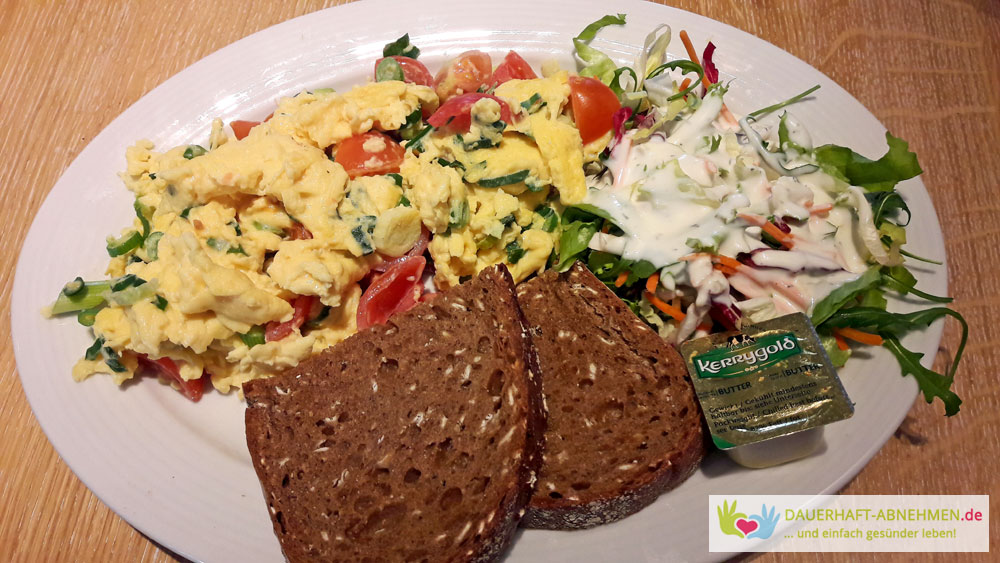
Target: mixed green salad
{"points": [[700, 219]]}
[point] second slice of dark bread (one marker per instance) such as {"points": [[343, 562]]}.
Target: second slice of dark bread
{"points": [[417, 440], [623, 424]]}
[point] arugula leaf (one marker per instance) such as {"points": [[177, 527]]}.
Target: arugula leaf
{"points": [[932, 384], [572, 213], [401, 47], [896, 165], [840, 296], [596, 63], [893, 325], [885, 203], [901, 280]]}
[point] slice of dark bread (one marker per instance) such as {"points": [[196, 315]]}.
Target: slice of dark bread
{"points": [[417, 440], [623, 424]]}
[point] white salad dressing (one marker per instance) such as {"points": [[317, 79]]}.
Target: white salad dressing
{"points": [[697, 188]]}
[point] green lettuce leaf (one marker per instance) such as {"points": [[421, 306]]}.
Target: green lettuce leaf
{"points": [[896, 165], [839, 297], [596, 63]]}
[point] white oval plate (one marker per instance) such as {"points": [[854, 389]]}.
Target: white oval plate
{"points": [[180, 471]]}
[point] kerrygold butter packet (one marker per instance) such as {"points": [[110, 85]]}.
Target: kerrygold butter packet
{"points": [[767, 380]]}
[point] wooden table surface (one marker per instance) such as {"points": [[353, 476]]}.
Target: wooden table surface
{"points": [[930, 71]]}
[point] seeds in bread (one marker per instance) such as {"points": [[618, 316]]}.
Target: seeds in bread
{"points": [[417, 440], [623, 424]]}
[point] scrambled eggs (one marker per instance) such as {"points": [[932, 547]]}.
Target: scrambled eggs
{"points": [[239, 231]]}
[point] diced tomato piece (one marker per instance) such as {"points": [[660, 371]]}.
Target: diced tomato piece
{"points": [[513, 67], [455, 115], [594, 105], [395, 291], [298, 231], [302, 305], [463, 74], [414, 71], [418, 250], [167, 369], [369, 154], [242, 128]]}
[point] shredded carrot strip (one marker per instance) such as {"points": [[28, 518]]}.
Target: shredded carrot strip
{"points": [[820, 209], [755, 220], [717, 259], [605, 228], [621, 279], [784, 238], [685, 84], [670, 310], [690, 48], [651, 282], [841, 343], [726, 270], [859, 336]]}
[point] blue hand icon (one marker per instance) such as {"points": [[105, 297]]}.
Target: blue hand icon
{"points": [[766, 522]]}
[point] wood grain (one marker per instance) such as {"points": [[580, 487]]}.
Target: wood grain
{"points": [[928, 70]]}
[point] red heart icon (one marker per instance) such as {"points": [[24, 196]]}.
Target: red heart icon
{"points": [[746, 526]]}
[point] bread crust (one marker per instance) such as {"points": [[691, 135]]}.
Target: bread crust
{"points": [[664, 470]]}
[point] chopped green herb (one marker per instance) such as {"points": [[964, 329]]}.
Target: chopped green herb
{"points": [[236, 227], [397, 178], [403, 201], [401, 47], [265, 227], [532, 105], [504, 180], [449, 163], [126, 281], [488, 242], [87, 317], [362, 233], [388, 69], [90, 296], [254, 336], [143, 213], [73, 287], [773, 108], [416, 142], [550, 216], [152, 176], [459, 215], [124, 244], [412, 127], [152, 245], [514, 252], [113, 360], [193, 151], [160, 303], [94, 351], [238, 249]]}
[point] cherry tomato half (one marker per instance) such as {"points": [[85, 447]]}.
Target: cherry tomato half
{"points": [[465, 73], [513, 67], [414, 71], [395, 291], [167, 369], [594, 104], [369, 153], [302, 305], [459, 111]]}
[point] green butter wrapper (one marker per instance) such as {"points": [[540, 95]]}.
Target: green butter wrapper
{"points": [[767, 380]]}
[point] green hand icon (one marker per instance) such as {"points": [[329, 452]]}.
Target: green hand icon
{"points": [[728, 517]]}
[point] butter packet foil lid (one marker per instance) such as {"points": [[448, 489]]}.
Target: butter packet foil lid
{"points": [[767, 380]]}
